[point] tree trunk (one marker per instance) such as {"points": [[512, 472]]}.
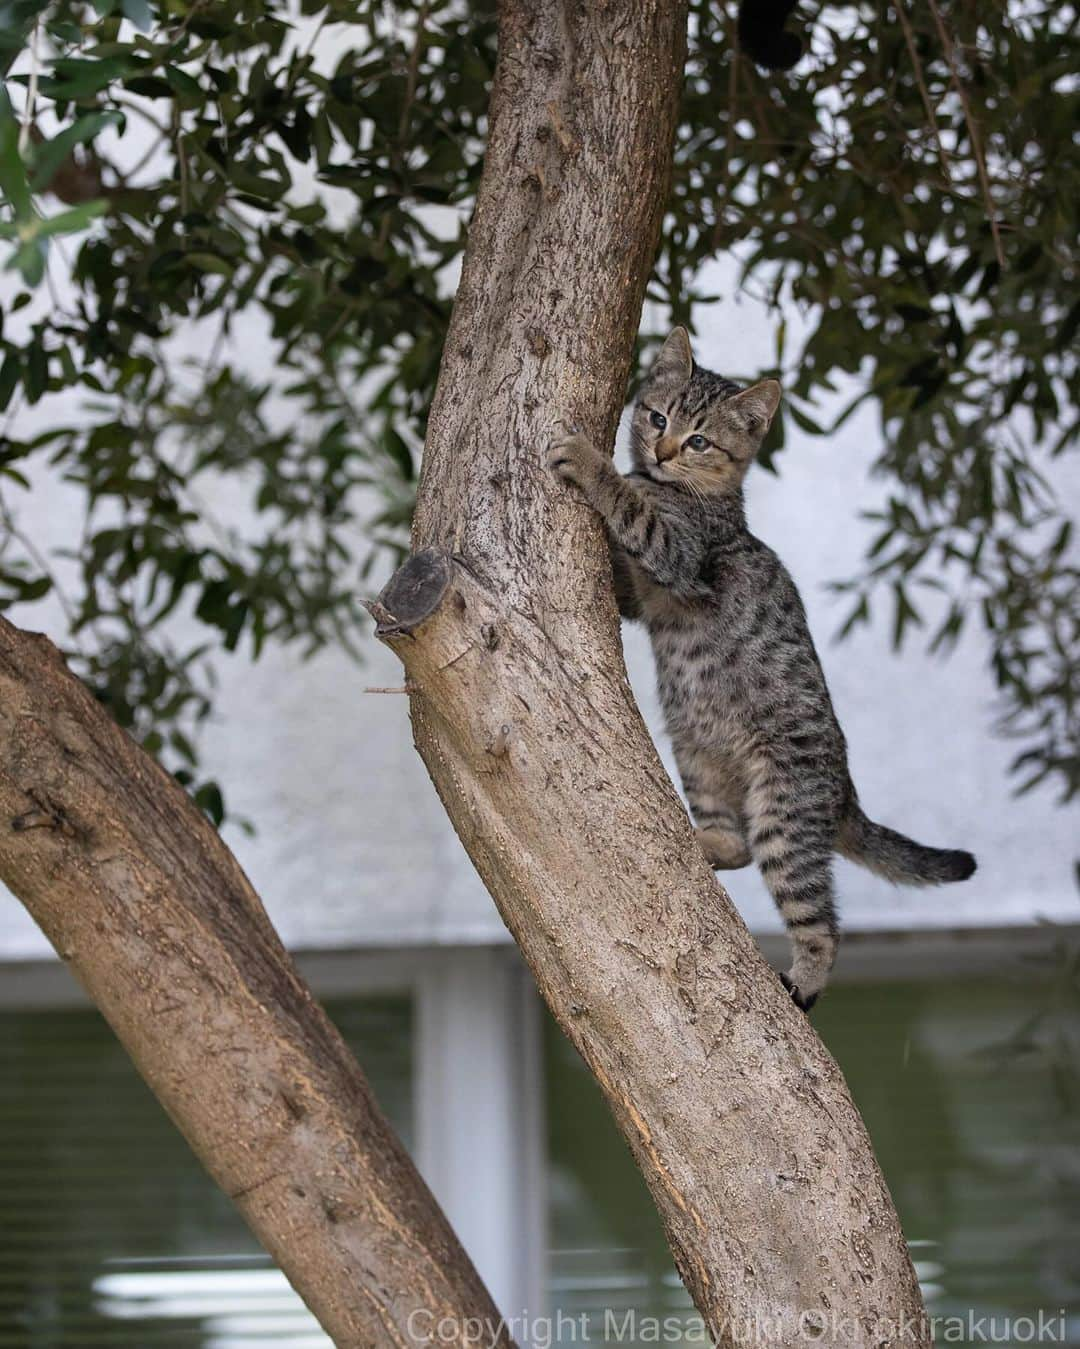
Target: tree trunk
{"points": [[760, 1166], [140, 896]]}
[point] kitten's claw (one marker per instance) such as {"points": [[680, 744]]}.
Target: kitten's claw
{"points": [[802, 1003], [558, 461], [570, 454]]}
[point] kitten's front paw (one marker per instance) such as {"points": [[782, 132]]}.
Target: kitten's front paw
{"points": [[573, 457], [802, 1003]]}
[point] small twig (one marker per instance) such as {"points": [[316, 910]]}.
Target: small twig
{"points": [[401, 688], [219, 341], [413, 72], [140, 111], [733, 101], [50, 282], [299, 66], [143, 160], [182, 161], [976, 148], [931, 117], [380, 613], [31, 91], [412, 76]]}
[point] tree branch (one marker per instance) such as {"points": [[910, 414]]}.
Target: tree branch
{"points": [[140, 896], [738, 1118], [924, 92], [973, 132]]}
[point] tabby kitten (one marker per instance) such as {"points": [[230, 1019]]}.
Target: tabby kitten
{"points": [[762, 757]]}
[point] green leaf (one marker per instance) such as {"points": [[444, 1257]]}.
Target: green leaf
{"points": [[209, 262], [10, 374], [29, 260], [13, 179], [73, 78], [209, 800], [36, 374], [904, 615], [860, 614], [183, 84], [69, 222], [140, 14], [802, 421], [49, 156], [399, 452], [148, 86]]}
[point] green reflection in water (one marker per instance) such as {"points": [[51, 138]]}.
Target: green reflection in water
{"points": [[970, 1092]]}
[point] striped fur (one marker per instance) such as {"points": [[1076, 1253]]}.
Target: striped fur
{"points": [[762, 757]]}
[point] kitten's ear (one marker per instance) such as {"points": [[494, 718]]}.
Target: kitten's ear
{"points": [[757, 405], [675, 363]]}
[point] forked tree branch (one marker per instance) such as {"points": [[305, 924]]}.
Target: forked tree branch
{"points": [[741, 1123]]}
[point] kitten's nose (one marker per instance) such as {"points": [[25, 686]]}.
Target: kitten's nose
{"points": [[667, 449]]}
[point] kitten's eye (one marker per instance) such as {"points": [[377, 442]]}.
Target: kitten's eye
{"points": [[658, 420], [697, 443]]}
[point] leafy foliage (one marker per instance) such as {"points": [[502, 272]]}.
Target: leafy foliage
{"points": [[249, 177], [271, 199], [912, 188]]}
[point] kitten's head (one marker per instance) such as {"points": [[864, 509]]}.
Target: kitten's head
{"points": [[693, 428]]}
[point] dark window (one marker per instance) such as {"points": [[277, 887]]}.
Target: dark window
{"points": [[971, 1093], [111, 1233]]}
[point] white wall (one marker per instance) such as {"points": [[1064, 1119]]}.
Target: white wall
{"points": [[353, 848]]}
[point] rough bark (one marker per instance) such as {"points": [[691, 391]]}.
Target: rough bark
{"points": [[140, 896], [760, 1166]]}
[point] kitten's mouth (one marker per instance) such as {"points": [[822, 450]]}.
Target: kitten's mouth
{"points": [[677, 475]]}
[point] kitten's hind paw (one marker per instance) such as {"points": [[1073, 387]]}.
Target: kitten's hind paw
{"points": [[802, 1003]]}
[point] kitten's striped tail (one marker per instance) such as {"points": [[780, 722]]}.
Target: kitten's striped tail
{"points": [[889, 854]]}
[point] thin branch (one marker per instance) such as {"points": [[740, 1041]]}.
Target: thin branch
{"points": [[931, 116], [976, 147], [31, 91], [181, 156], [144, 159], [412, 75], [140, 111], [732, 97], [301, 64], [413, 71]]}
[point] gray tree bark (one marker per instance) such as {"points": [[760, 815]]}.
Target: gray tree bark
{"points": [[739, 1119], [140, 896]]}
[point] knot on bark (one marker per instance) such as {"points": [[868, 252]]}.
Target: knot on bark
{"points": [[46, 814]]}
